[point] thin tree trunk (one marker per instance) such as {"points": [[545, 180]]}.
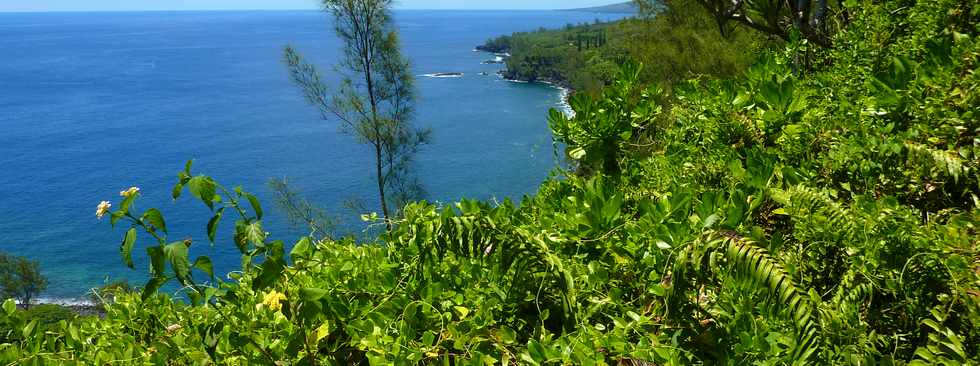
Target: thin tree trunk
{"points": [[377, 145], [369, 81], [381, 187]]}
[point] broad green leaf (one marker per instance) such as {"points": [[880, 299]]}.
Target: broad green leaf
{"points": [[312, 294], [9, 307], [657, 290], [254, 233], [177, 254], [462, 311], [114, 217], [736, 169], [196, 297], [29, 328], [270, 273], [126, 248], [178, 189], [507, 335], [322, 331], [158, 260], [155, 217], [301, 250], [152, 286], [126, 204], [241, 237], [710, 221], [203, 188], [204, 264], [735, 214], [254, 201], [537, 352], [213, 224], [73, 333]]}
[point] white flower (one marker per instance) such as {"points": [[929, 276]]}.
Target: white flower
{"points": [[129, 192], [103, 208]]}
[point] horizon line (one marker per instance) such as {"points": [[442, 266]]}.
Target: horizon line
{"points": [[241, 10]]}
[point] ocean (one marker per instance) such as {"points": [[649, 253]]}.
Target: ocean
{"points": [[93, 103]]}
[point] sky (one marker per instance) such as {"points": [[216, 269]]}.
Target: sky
{"points": [[122, 5]]}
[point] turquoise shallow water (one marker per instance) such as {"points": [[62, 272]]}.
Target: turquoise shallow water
{"points": [[92, 103]]}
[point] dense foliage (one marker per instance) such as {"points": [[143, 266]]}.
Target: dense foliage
{"points": [[679, 43], [824, 214]]}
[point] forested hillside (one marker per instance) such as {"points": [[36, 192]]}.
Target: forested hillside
{"points": [[676, 45], [819, 206], [621, 8]]}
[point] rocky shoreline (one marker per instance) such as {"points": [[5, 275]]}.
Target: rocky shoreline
{"points": [[564, 88], [501, 56]]}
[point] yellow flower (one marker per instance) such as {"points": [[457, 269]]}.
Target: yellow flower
{"points": [[129, 192], [103, 208], [272, 300]]}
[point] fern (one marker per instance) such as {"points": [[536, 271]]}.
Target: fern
{"points": [[509, 253], [945, 346], [850, 293], [803, 203], [755, 264], [477, 233], [933, 159]]}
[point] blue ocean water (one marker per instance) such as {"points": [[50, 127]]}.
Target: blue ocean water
{"points": [[93, 103]]}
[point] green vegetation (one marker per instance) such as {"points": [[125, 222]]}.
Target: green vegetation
{"points": [[49, 315], [20, 279], [821, 207], [677, 41], [812, 20]]}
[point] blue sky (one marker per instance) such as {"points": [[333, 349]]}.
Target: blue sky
{"points": [[103, 5]]}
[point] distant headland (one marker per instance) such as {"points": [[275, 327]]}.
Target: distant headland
{"points": [[620, 8]]}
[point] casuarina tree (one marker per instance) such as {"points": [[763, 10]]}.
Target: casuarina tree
{"points": [[20, 279], [375, 100]]}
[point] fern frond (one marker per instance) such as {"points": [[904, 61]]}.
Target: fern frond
{"points": [[843, 309], [728, 249], [932, 159], [478, 233], [945, 347], [803, 203], [756, 263], [851, 294]]}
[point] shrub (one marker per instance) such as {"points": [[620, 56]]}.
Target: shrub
{"points": [[48, 315]]}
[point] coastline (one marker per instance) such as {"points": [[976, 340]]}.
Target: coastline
{"points": [[564, 97], [564, 88], [565, 91]]}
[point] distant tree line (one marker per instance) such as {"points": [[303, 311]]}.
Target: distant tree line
{"points": [[677, 40]]}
